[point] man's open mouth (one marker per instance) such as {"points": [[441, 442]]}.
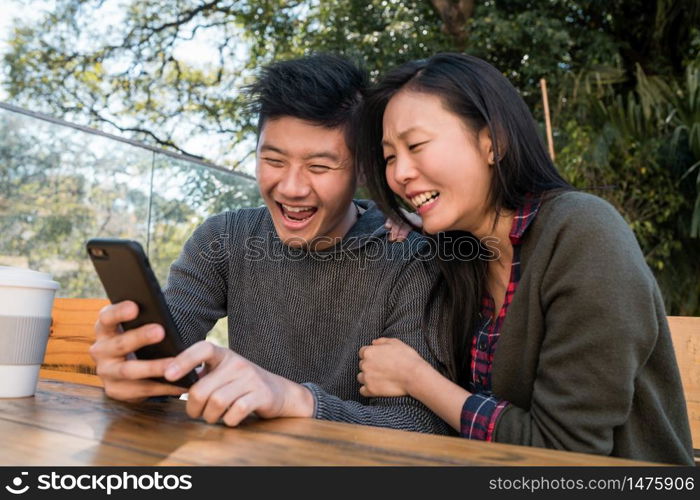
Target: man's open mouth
{"points": [[297, 213]]}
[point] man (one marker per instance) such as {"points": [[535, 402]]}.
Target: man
{"points": [[305, 281]]}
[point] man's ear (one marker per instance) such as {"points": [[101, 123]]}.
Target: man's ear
{"points": [[360, 178]]}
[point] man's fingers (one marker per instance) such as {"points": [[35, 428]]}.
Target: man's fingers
{"points": [[394, 229], [125, 343], [134, 369], [110, 316], [136, 391], [240, 409], [221, 400], [381, 340], [234, 373], [132, 340], [399, 230], [361, 378], [193, 356], [199, 395], [201, 392]]}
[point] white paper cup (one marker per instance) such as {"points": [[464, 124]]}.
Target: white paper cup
{"points": [[26, 301]]}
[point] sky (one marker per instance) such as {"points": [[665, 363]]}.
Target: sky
{"points": [[10, 10]]}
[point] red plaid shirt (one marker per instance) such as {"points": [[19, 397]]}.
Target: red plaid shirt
{"points": [[482, 409]]}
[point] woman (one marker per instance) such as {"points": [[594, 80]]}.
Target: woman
{"points": [[558, 330]]}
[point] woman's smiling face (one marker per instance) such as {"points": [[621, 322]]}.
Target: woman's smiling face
{"points": [[436, 163]]}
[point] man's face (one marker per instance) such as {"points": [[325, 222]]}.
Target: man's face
{"points": [[306, 177]]}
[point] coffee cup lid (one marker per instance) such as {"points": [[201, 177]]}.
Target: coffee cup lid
{"points": [[17, 276]]}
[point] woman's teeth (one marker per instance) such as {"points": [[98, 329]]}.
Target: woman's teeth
{"points": [[424, 198]]}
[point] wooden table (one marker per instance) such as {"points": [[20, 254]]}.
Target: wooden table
{"points": [[72, 424]]}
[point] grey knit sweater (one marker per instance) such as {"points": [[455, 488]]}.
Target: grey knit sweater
{"points": [[304, 315]]}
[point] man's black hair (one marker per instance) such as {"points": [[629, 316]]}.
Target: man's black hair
{"points": [[323, 89]]}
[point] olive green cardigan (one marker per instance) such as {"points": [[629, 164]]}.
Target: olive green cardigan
{"points": [[585, 355]]}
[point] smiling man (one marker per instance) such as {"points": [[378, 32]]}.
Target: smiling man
{"points": [[306, 177], [296, 323]]}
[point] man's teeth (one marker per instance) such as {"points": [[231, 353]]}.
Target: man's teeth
{"points": [[296, 209], [423, 198]]}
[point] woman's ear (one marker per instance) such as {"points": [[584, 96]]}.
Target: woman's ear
{"points": [[488, 148], [486, 145]]}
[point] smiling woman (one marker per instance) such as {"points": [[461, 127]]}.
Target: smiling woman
{"points": [[559, 333], [417, 128]]}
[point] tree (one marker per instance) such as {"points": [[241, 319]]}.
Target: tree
{"points": [[135, 76], [131, 76]]}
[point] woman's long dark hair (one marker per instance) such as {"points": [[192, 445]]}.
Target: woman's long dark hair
{"points": [[478, 93]]}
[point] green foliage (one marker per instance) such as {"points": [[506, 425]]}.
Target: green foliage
{"points": [[549, 40], [635, 150], [623, 81]]}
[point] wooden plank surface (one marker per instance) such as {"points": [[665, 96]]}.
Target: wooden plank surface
{"points": [[69, 424], [72, 333], [685, 333]]}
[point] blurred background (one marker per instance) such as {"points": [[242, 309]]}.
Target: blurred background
{"points": [[125, 117]]}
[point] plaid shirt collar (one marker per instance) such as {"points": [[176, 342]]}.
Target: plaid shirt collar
{"points": [[524, 216]]}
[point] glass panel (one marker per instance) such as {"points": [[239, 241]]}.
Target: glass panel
{"points": [[184, 194], [59, 187]]}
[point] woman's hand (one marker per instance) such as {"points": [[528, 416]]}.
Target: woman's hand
{"points": [[398, 230], [387, 368]]}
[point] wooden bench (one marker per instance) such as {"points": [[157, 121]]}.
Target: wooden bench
{"points": [[685, 333], [72, 333]]}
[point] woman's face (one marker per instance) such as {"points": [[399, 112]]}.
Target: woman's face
{"points": [[436, 163]]}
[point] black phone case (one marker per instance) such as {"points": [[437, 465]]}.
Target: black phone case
{"points": [[126, 274]]}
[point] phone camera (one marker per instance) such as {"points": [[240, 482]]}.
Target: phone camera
{"points": [[98, 253]]}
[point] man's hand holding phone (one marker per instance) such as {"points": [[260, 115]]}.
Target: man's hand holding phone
{"points": [[126, 378]]}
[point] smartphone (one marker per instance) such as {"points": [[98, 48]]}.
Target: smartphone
{"points": [[126, 274]]}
